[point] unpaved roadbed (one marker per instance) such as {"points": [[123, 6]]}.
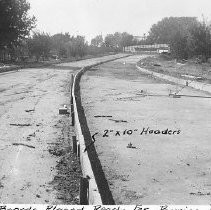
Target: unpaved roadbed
{"points": [[37, 165], [35, 153], [142, 160]]}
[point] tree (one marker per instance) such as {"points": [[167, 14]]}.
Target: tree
{"points": [[173, 31], [199, 41], [126, 39], [15, 24], [77, 46], [110, 41], [20, 52], [81, 45], [164, 31], [118, 40], [59, 42], [97, 41], [40, 45]]}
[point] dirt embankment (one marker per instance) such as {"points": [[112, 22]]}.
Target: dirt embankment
{"points": [[182, 69]]}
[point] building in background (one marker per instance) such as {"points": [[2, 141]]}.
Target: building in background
{"points": [[159, 48]]}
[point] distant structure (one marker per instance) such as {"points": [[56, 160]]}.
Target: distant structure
{"points": [[159, 48], [139, 38]]}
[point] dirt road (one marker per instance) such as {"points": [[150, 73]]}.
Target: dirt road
{"points": [[153, 148], [36, 163], [34, 138]]}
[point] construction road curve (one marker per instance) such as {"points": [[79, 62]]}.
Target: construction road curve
{"points": [[36, 164], [154, 148]]}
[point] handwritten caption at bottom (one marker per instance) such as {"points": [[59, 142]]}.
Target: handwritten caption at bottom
{"points": [[101, 207]]}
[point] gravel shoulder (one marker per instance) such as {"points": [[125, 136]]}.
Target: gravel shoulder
{"points": [[142, 160]]}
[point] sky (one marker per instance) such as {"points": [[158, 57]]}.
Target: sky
{"points": [[93, 17]]}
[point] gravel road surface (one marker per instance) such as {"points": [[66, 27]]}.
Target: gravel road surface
{"points": [[154, 148], [35, 138], [36, 161]]}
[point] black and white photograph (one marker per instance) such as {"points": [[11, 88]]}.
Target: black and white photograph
{"points": [[105, 102]]}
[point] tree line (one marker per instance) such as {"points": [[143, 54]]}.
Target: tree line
{"points": [[42, 45], [186, 36], [18, 41], [64, 45]]}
